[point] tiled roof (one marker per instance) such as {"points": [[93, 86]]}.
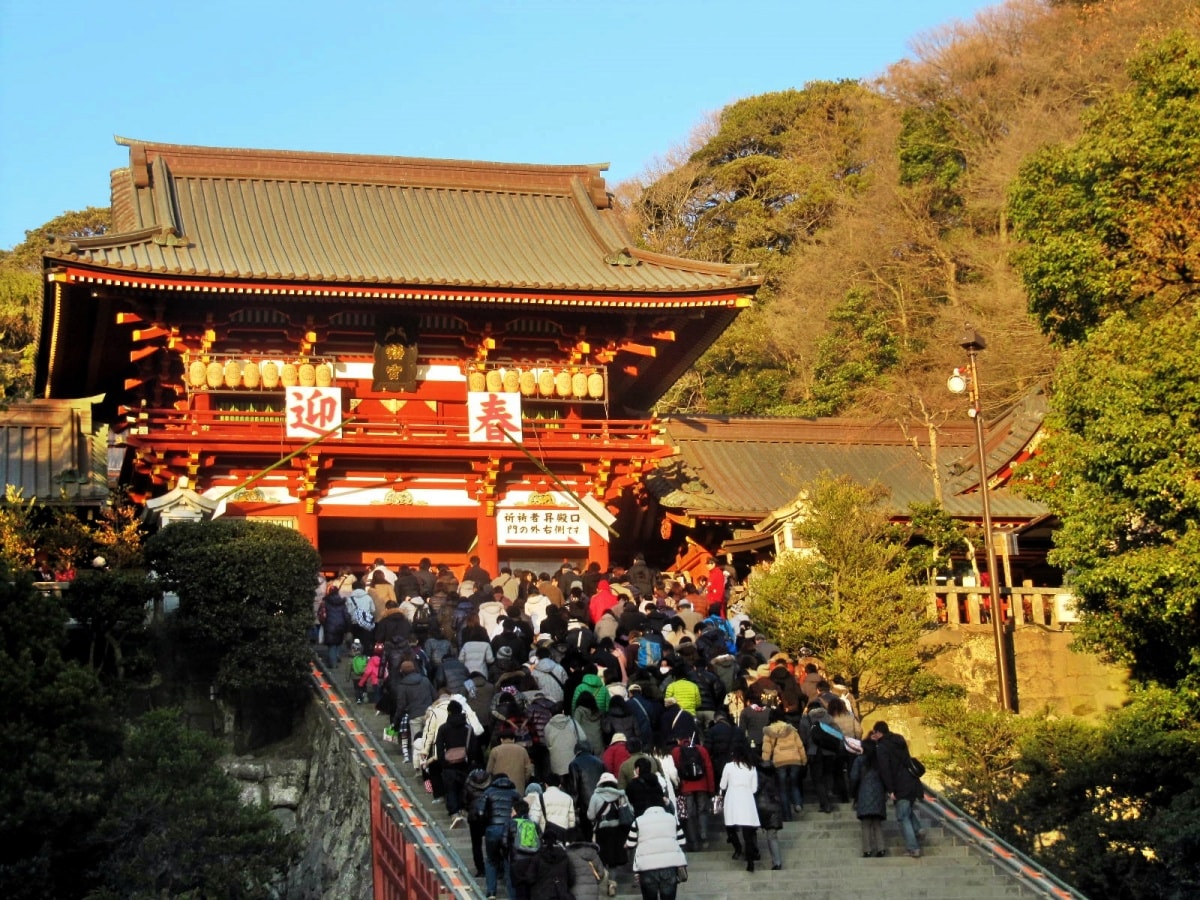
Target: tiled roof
{"points": [[745, 469], [270, 216]]}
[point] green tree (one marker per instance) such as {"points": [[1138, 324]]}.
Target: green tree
{"points": [[245, 598], [60, 735], [1121, 468], [977, 755], [1111, 807], [1111, 226], [1112, 222], [858, 347], [847, 594], [112, 608], [21, 294], [931, 536], [176, 826]]}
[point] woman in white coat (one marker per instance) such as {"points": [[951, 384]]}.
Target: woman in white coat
{"points": [[739, 782]]}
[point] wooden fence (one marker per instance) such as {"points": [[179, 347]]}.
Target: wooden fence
{"points": [[1025, 605]]}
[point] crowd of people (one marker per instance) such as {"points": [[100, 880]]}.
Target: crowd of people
{"points": [[629, 716]]}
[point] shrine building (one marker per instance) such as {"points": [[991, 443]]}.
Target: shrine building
{"points": [[399, 357]]}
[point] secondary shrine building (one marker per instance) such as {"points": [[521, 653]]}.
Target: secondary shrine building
{"points": [[398, 357]]}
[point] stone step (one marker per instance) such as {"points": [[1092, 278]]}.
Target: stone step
{"points": [[821, 858]]}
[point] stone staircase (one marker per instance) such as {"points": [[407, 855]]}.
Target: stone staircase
{"points": [[822, 857]]}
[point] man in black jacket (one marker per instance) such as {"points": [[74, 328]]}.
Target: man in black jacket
{"points": [[904, 787], [583, 775]]}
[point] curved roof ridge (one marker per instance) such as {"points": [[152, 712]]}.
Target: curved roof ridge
{"points": [[740, 270], [312, 165]]}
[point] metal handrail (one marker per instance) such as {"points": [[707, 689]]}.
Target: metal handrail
{"points": [[436, 852], [1032, 874]]}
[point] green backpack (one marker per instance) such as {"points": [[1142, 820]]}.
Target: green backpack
{"points": [[527, 839], [358, 665]]}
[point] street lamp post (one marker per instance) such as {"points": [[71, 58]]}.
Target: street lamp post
{"points": [[973, 342]]}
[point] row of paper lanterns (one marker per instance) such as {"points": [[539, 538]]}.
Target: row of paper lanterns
{"points": [[544, 382], [252, 375], [539, 382]]}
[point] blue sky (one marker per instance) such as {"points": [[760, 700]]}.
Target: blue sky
{"points": [[537, 81]]}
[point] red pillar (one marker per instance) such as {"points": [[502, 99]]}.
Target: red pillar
{"points": [[485, 547], [598, 549]]}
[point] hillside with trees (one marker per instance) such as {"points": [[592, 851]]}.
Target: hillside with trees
{"points": [[877, 213]]}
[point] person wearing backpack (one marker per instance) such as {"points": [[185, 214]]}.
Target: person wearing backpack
{"points": [[820, 761], [524, 844], [494, 809], [358, 668], [697, 781], [612, 815]]}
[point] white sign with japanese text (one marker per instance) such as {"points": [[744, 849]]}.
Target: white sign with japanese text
{"points": [[490, 414], [541, 526], [312, 411]]}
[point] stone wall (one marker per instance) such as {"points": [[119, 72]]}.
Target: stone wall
{"points": [[1049, 674], [316, 786]]}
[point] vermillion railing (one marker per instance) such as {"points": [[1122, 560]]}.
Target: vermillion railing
{"points": [[1026, 605], [249, 425]]}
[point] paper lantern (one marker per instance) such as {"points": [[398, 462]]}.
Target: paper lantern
{"points": [[215, 374], [562, 383], [595, 385], [251, 377], [308, 375], [579, 384], [233, 374], [270, 375], [476, 382], [288, 375], [512, 381], [528, 383], [546, 383], [197, 374], [324, 375]]}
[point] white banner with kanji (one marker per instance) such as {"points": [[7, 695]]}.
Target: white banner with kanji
{"points": [[491, 414], [539, 527], [312, 411]]}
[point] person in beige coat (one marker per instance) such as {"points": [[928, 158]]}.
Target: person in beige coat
{"points": [[784, 748], [511, 759]]}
